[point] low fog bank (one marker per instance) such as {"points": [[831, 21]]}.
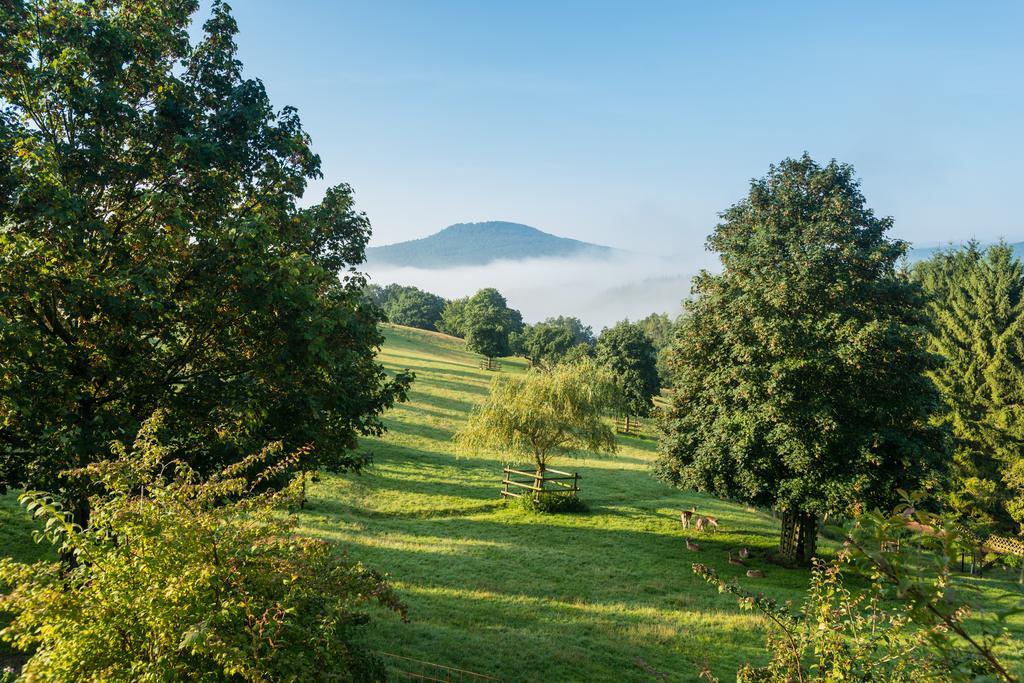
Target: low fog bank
{"points": [[599, 291]]}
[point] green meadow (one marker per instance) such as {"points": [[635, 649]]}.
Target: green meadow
{"points": [[521, 596]]}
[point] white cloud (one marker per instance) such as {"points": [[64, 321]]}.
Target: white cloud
{"points": [[598, 291]]}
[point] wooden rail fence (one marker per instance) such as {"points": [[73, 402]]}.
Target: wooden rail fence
{"points": [[536, 483], [490, 364], [632, 426]]}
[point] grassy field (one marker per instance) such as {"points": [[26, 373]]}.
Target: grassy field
{"points": [[520, 596]]}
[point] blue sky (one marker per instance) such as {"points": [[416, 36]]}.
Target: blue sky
{"points": [[633, 124]]}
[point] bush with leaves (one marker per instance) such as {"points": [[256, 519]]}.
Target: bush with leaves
{"points": [[178, 577], [909, 624]]}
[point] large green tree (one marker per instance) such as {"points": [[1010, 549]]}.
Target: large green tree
{"points": [[629, 353], [800, 369], [977, 305], [153, 254], [549, 341], [412, 307], [660, 328], [453, 318], [489, 323]]}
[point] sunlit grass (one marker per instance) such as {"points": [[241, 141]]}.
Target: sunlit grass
{"points": [[532, 597]]}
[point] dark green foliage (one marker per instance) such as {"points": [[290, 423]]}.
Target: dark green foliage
{"points": [[409, 306], [629, 353], [908, 625], [453, 318], [800, 371], [488, 322], [552, 503], [477, 244], [153, 253], [660, 329], [551, 340], [977, 305], [181, 578]]}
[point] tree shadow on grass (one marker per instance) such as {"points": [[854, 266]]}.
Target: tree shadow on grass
{"points": [[420, 429]]}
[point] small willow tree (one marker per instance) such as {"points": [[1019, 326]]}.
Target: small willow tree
{"points": [[544, 413]]}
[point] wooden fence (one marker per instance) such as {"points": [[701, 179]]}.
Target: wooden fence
{"points": [[536, 483], [490, 364], [632, 426], [408, 669]]}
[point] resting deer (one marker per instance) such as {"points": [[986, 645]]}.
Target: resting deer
{"points": [[694, 547], [755, 573], [744, 554], [686, 515], [734, 561]]}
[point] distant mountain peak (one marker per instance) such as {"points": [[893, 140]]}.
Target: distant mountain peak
{"points": [[477, 244]]}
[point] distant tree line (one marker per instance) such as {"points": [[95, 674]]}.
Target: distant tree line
{"points": [[632, 351]]}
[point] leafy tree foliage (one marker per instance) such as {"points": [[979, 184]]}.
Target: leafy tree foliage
{"points": [[545, 412], [977, 305], [660, 329], [800, 369], [175, 583], [416, 308], [409, 306], [910, 624], [551, 340], [488, 323], [630, 355], [453, 318], [152, 252]]}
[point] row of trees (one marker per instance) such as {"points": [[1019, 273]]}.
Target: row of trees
{"points": [[814, 374], [409, 306]]}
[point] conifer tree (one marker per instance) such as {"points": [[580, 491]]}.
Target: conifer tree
{"points": [[977, 305]]}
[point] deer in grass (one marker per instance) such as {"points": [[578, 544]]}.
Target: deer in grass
{"points": [[711, 522], [686, 515], [692, 547]]}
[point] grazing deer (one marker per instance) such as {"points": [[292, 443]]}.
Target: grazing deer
{"points": [[712, 522], [744, 554], [755, 573], [735, 561], [686, 515], [699, 525], [691, 546]]}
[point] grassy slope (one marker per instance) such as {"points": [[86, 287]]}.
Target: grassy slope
{"points": [[521, 596], [526, 597]]}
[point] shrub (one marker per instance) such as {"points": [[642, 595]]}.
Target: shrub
{"points": [[552, 503], [179, 578], [910, 624]]}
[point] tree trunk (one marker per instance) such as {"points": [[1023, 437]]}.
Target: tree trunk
{"points": [[799, 538], [538, 479]]}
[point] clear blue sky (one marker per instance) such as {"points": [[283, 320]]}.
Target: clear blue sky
{"points": [[632, 124]]}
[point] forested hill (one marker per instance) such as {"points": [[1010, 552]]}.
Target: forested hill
{"points": [[476, 244]]}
